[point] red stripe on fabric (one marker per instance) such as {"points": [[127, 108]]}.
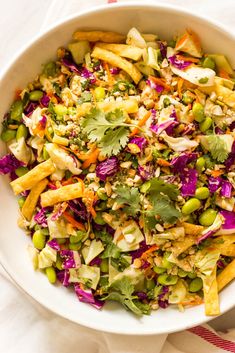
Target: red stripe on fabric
{"points": [[212, 338], [111, 1]]}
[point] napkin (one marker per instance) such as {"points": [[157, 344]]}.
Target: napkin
{"points": [[27, 327]]}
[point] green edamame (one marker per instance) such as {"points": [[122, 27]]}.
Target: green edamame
{"points": [[104, 266], [202, 193], [22, 131], [99, 219], [207, 217], [21, 201], [200, 164], [182, 273], [195, 285], [208, 63], [59, 263], [165, 262], [150, 284], [186, 98], [206, 124], [50, 69], [17, 109], [167, 280], [39, 240], [192, 275], [159, 270], [35, 96], [60, 109], [8, 135], [101, 194], [99, 93], [198, 112], [51, 274], [190, 206], [21, 171], [75, 247]]}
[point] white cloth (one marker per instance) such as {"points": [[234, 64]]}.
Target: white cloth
{"points": [[27, 327]]}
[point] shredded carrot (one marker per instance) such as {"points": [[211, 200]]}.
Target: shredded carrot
{"points": [[91, 158], [89, 198], [162, 162], [179, 86], [150, 250], [216, 173], [67, 182], [187, 58], [140, 123], [17, 93], [93, 95], [224, 74], [161, 82], [196, 301], [110, 77], [73, 221]]}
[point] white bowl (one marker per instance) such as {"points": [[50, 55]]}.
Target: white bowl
{"points": [[166, 21]]}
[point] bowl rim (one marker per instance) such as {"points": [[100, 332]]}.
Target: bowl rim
{"points": [[42, 35]]}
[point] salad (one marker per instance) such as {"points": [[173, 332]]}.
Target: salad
{"points": [[121, 153]]}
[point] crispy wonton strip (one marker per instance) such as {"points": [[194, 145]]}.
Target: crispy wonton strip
{"points": [[211, 297], [32, 199], [64, 193], [181, 246], [192, 229], [29, 180], [116, 60], [226, 276], [129, 106], [225, 244], [127, 51], [99, 36]]}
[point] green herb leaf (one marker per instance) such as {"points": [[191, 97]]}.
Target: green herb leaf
{"points": [[130, 197], [163, 207], [107, 129], [217, 148], [111, 251], [124, 286], [159, 186]]}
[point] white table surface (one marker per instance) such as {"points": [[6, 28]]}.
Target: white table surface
{"points": [[20, 20]]}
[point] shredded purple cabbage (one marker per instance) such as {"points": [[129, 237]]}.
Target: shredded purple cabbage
{"points": [[43, 122], [54, 244], [115, 70], [153, 85], [226, 189], [214, 184], [137, 253], [188, 129], [180, 162], [70, 64], [219, 131], [179, 64], [146, 172], [96, 261], [141, 295], [31, 106], [158, 128], [79, 209], [229, 219], [207, 235], [9, 163], [163, 50], [63, 277], [41, 218], [141, 142], [45, 100], [86, 296], [230, 162], [107, 168], [71, 259], [88, 75], [189, 182], [163, 303]]}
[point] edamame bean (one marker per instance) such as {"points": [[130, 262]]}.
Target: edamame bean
{"points": [[60, 109], [51, 274], [59, 263], [99, 219], [101, 194], [200, 164], [21, 171], [99, 93], [167, 280], [22, 131], [159, 270], [75, 247], [195, 285], [198, 112], [74, 239], [39, 240], [104, 266], [21, 201], [186, 98], [165, 262], [190, 206], [202, 193], [8, 135], [35, 96], [103, 206], [207, 217], [17, 110], [182, 273], [192, 275], [50, 69], [206, 124], [150, 284], [209, 63]]}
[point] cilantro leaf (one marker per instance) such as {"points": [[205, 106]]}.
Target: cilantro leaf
{"points": [[124, 286], [111, 251], [159, 186], [107, 129], [217, 148], [130, 197], [163, 207]]}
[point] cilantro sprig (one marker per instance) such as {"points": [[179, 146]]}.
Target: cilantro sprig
{"points": [[217, 148]]}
